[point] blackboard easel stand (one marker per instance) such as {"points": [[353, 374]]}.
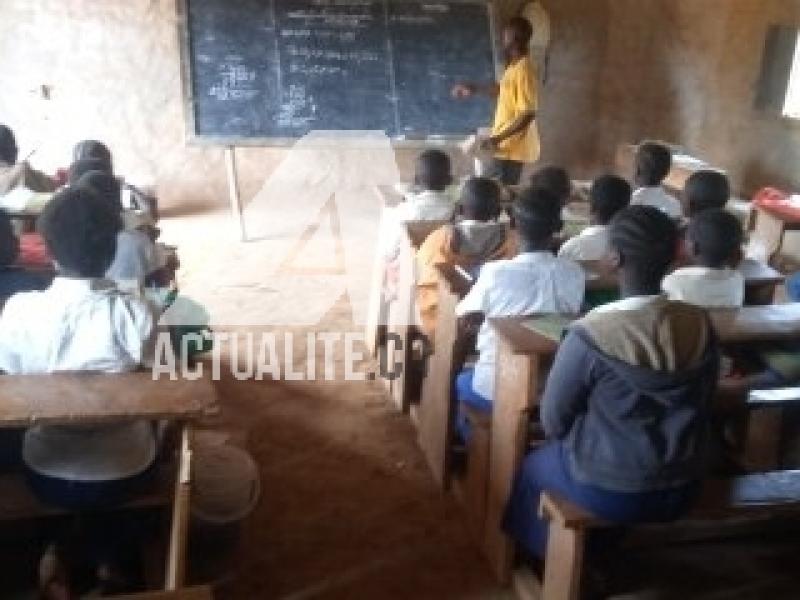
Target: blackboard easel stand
{"points": [[233, 190]]}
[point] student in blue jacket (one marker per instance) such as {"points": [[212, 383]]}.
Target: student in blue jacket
{"points": [[627, 404]]}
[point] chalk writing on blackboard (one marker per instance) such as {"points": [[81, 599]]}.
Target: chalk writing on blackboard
{"points": [[280, 68]]}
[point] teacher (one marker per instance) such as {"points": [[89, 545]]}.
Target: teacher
{"points": [[515, 139]]}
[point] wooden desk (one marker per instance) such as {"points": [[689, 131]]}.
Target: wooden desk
{"points": [[760, 280], [523, 358], [95, 399]]}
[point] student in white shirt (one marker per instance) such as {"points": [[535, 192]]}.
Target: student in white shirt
{"points": [[535, 281], [432, 197], [653, 162], [81, 323], [609, 195], [714, 240]]}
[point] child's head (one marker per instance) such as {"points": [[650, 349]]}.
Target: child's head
{"points": [[480, 199], [432, 171], [645, 240], [715, 239], [8, 145], [653, 162], [555, 180], [517, 34], [94, 150], [537, 217], [609, 195], [9, 244], [80, 230], [705, 190], [86, 165], [104, 185]]}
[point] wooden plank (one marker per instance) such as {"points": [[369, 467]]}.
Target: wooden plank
{"points": [[757, 323], [472, 485], [437, 403], [179, 529], [18, 502], [516, 383], [564, 562], [202, 592], [96, 398]]}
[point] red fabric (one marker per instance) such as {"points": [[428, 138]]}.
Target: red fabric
{"points": [[777, 202], [32, 251]]}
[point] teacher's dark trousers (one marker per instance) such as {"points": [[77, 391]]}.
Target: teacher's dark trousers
{"points": [[505, 171]]}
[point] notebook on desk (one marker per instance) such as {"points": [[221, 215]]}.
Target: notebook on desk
{"points": [[550, 326]]}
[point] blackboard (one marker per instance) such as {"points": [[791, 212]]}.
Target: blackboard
{"points": [[261, 70]]}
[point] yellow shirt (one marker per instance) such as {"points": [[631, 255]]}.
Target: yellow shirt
{"points": [[518, 95]]}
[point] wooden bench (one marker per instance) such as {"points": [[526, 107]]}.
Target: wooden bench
{"points": [[202, 592], [523, 359], [97, 399], [749, 495]]}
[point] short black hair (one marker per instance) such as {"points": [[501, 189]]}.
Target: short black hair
{"points": [[705, 190], [80, 167], [645, 239], [432, 170], [95, 150], [9, 244], [537, 215], [104, 185], [80, 230], [480, 198], [522, 28], [555, 180], [8, 145], [716, 237], [608, 195], [653, 162]]}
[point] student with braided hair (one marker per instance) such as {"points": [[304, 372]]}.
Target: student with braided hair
{"points": [[627, 404]]}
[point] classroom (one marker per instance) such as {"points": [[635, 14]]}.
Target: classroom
{"points": [[317, 299]]}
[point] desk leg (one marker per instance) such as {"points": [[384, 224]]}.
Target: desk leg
{"points": [[515, 392], [179, 531]]}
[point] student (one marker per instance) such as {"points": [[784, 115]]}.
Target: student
{"points": [[14, 279], [133, 198], [706, 190], [514, 140], [80, 323], [475, 238], [15, 174], [627, 402], [555, 180], [137, 256], [535, 281], [431, 198], [653, 163], [715, 243], [608, 195]]}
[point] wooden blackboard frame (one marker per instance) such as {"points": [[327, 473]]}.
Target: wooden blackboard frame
{"points": [[194, 139]]}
